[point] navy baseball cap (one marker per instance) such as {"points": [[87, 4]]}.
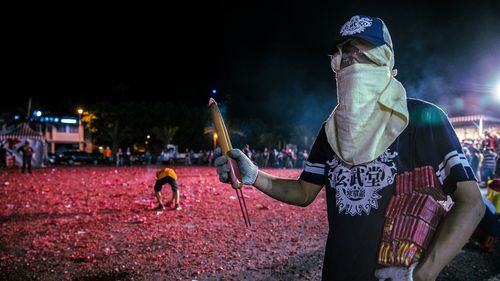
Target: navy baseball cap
{"points": [[370, 29]]}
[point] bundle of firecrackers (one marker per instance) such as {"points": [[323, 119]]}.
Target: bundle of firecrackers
{"points": [[411, 217]]}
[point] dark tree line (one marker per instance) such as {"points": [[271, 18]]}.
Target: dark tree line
{"points": [[128, 124]]}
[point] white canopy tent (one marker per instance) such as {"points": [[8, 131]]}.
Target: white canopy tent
{"points": [[16, 137]]}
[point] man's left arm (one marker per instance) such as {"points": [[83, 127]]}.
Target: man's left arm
{"points": [[453, 232]]}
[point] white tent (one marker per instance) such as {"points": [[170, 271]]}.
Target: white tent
{"points": [[17, 136]]}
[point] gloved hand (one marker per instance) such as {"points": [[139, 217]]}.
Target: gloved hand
{"points": [[248, 170], [396, 273]]}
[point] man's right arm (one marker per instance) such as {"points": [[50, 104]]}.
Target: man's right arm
{"points": [[291, 191]]}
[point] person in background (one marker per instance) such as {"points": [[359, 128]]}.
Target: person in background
{"points": [[187, 159], [3, 155], [467, 154], [128, 157], [475, 161], [373, 134], [265, 157], [107, 155], [497, 166], [148, 157], [305, 155], [119, 157], [27, 154], [488, 164], [247, 151], [164, 176]]}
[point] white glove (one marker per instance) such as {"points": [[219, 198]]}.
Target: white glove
{"points": [[396, 273], [248, 170]]}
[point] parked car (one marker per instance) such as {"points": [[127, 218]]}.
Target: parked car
{"points": [[98, 157], [76, 156], [52, 158]]}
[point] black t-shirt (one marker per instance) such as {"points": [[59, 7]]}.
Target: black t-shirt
{"points": [[357, 195], [26, 151]]}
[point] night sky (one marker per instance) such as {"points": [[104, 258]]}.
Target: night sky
{"points": [[263, 58]]}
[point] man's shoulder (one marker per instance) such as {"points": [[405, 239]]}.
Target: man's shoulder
{"points": [[414, 103], [424, 113]]}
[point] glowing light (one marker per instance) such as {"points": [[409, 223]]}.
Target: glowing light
{"points": [[496, 93], [214, 91], [148, 137], [80, 111], [215, 139], [458, 104], [38, 113], [68, 121]]}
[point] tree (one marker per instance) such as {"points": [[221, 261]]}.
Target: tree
{"points": [[88, 119], [165, 134], [117, 135]]}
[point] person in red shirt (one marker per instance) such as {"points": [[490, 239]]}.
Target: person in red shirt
{"points": [[107, 155]]}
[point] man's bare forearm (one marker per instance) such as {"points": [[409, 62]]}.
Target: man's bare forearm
{"points": [[290, 191], [453, 232]]}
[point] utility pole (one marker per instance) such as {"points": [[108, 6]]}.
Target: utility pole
{"points": [[29, 110]]}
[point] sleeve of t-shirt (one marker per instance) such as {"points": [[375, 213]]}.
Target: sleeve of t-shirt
{"points": [[437, 145], [314, 168]]}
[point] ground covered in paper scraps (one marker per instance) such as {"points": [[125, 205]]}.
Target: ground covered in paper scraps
{"points": [[97, 223]]}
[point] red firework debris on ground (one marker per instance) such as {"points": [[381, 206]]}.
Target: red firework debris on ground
{"points": [[98, 223]]}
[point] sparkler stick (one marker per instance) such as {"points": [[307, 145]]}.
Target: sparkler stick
{"points": [[226, 146]]}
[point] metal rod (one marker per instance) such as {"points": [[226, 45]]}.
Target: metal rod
{"points": [[243, 207]]}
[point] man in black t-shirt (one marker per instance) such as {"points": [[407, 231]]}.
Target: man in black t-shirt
{"points": [[372, 135]]}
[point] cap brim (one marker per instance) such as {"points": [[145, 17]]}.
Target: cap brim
{"points": [[350, 37]]}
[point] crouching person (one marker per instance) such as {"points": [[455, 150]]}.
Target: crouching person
{"points": [[163, 176]]}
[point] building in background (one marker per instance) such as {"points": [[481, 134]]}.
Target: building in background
{"points": [[474, 126], [60, 133], [63, 133]]}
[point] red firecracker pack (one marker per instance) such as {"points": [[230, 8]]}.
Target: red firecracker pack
{"points": [[411, 217]]}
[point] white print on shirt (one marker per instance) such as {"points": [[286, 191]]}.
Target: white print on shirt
{"points": [[357, 186], [451, 160]]}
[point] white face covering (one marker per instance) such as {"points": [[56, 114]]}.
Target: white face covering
{"points": [[372, 110]]}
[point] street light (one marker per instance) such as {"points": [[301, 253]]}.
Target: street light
{"points": [[80, 111], [81, 129], [496, 92]]}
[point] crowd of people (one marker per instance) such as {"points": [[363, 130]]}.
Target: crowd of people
{"points": [[484, 156], [289, 157]]}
